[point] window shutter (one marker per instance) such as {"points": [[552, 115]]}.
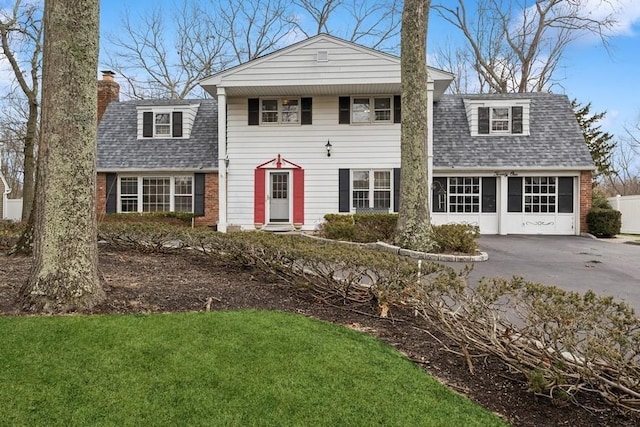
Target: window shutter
{"points": [[306, 107], [439, 194], [177, 124], [344, 110], [489, 194], [565, 194], [147, 124], [483, 120], [343, 190], [516, 120], [254, 111], [514, 197], [396, 189], [112, 193], [198, 193], [397, 109]]}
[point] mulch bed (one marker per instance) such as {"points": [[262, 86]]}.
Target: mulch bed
{"points": [[189, 281]]}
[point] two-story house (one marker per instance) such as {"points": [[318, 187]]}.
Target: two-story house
{"points": [[314, 128]]}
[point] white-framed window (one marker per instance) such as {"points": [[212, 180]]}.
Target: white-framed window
{"points": [[156, 194], [371, 189], [371, 109], [162, 124], [500, 119], [540, 194], [281, 110], [464, 194]]}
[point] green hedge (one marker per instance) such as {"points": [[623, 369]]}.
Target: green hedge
{"points": [[604, 222], [380, 227]]}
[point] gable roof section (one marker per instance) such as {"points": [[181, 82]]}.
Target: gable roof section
{"points": [[555, 141], [120, 150], [298, 69]]}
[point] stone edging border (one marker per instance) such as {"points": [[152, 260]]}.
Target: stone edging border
{"points": [[382, 246]]}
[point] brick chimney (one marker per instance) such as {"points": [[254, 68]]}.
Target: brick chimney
{"points": [[108, 90]]}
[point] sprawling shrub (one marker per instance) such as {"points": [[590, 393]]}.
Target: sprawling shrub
{"points": [[457, 237], [604, 222]]}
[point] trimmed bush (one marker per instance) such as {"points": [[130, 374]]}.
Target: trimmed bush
{"points": [[177, 218], [457, 237], [604, 222], [375, 227], [380, 227]]}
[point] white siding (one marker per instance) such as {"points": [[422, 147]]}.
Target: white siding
{"points": [[370, 146], [346, 64]]}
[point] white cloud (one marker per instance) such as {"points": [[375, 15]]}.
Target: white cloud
{"points": [[626, 13]]}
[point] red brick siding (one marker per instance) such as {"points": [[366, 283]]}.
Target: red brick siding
{"points": [[210, 217], [585, 198]]}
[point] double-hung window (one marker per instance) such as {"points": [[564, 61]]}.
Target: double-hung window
{"points": [[162, 124], [500, 120], [286, 110], [371, 109], [156, 194], [371, 189]]}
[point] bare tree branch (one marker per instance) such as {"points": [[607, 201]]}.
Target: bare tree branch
{"points": [[516, 46]]}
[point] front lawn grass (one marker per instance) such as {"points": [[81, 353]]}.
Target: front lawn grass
{"points": [[229, 368]]}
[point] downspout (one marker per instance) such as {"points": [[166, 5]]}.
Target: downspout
{"points": [[223, 160]]}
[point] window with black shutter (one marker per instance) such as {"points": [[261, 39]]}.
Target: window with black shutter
{"points": [[565, 194], [147, 124], [516, 120], [397, 109], [483, 120], [489, 194], [306, 109], [254, 111], [514, 194], [344, 110], [177, 124]]}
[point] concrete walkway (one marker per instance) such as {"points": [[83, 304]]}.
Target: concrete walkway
{"points": [[607, 266]]}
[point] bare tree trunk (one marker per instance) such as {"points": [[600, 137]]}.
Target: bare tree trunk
{"points": [[64, 275], [28, 186], [414, 229]]}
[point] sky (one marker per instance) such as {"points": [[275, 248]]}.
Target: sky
{"points": [[608, 78]]}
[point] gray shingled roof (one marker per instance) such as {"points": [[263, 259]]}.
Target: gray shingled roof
{"points": [[119, 148], [555, 141]]}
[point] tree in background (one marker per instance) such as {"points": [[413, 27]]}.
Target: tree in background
{"points": [[21, 40], [600, 143], [625, 180], [517, 45], [162, 59], [414, 230], [64, 274]]}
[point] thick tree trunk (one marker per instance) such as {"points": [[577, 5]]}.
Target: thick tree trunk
{"points": [[414, 229], [64, 275], [28, 187]]}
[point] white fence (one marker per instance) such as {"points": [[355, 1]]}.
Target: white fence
{"points": [[13, 209], [630, 208]]}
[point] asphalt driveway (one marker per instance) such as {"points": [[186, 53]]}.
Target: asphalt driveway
{"points": [[570, 262]]}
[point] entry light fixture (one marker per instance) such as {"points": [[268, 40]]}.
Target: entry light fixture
{"points": [[328, 147]]}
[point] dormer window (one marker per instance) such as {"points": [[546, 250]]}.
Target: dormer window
{"points": [[498, 116], [162, 124], [500, 120]]}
